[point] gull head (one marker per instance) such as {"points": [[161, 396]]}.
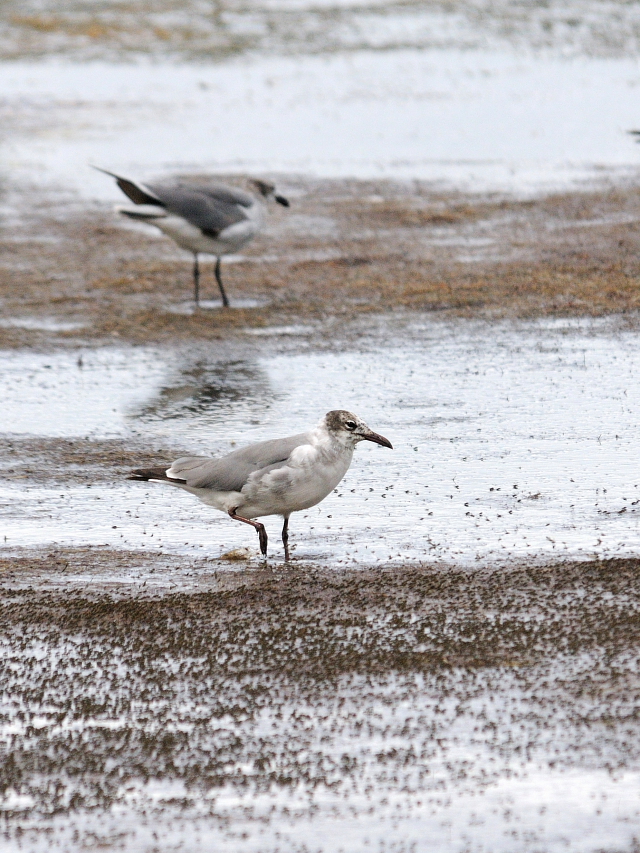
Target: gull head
{"points": [[268, 190], [349, 429]]}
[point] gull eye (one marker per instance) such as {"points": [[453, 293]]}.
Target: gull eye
{"points": [[350, 424]]}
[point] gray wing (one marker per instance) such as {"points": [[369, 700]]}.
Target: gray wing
{"points": [[231, 473], [228, 195], [211, 209]]}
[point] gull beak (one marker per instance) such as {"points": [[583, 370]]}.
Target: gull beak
{"points": [[377, 439], [281, 200]]}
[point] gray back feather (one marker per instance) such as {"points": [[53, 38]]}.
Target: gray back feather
{"points": [[211, 208], [228, 195], [231, 473]]}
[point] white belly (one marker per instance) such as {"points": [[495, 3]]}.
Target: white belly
{"points": [[279, 492], [224, 501], [191, 238]]}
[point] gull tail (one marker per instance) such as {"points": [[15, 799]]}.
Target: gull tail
{"points": [[157, 475], [144, 212]]}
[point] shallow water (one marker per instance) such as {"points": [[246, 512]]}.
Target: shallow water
{"points": [[76, 392], [478, 120], [511, 442], [529, 809]]}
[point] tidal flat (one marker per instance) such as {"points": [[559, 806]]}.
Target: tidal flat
{"points": [[305, 709], [450, 660]]}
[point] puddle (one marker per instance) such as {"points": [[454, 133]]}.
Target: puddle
{"points": [[275, 331], [76, 393], [189, 308], [511, 442], [44, 324]]}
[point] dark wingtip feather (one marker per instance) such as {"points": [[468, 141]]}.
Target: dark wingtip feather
{"points": [[137, 194], [146, 474]]}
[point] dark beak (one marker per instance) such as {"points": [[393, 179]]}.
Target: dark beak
{"points": [[282, 200], [377, 439]]}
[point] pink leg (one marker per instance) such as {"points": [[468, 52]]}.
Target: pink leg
{"points": [[262, 533]]}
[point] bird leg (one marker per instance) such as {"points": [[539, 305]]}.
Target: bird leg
{"points": [[285, 538], [225, 301], [196, 280], [262, 533]]}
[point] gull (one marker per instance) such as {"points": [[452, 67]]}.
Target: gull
{"points": [[210, 219], [275, 477]]}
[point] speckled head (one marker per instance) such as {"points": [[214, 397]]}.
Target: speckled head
{"points": [[345, 425], [268, 190]]}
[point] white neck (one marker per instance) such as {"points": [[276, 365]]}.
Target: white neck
{"points": [[331, 441]]}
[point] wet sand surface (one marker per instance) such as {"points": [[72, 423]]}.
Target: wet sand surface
{"points": [[450, 660], [303, 709], [346, 249], [190, 30], [190, 700]]}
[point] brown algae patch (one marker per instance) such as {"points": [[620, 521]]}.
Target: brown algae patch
{"points": [[402, 246], [192, 30]]}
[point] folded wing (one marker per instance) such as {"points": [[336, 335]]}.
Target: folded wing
{"points": [[210, 209], [232, 472]]}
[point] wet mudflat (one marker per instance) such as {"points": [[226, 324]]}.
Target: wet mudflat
{"points": [[512, 440], [428, 671], [466, 688], [425, 672], [450, 661], [117, 29], [300, 709], [346, 249]]}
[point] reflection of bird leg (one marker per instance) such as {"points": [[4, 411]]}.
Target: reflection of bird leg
{"points": [[225, 301], [262, 533], [285, 538], [196, 279]]}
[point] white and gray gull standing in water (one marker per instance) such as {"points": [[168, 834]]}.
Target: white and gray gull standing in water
{"points": [[274, 477], [207, 218]]}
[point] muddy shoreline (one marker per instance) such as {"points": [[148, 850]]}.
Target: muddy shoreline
{"points": [[150, 695], [346, 250], [450, 660], [563, 638]]}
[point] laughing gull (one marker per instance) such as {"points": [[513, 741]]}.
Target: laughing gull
{"points": [[274, 477], [210, 219]]}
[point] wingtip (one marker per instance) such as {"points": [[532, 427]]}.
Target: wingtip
{"points": [[100, 169]]}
